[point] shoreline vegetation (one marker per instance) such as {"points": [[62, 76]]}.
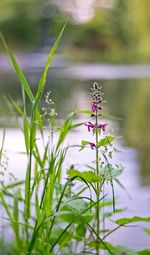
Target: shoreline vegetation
{"points": [[45, 215]]}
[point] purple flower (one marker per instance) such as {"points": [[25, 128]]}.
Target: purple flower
{"points": [[94, 107], [102, 126], [92, 145], [90, 126]]}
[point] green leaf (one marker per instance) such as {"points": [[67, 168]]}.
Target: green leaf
{"points": [[56, 232], [86, 112], [39, 120], [124, 221], [88, 176], [16, 106], [144, 252], [48, 62], [38, 216], [147, 231], [77, 125], [18, 71], [26, 130], [76, 205], [81, 230], [68, 216], [12, 216], [111, 173], [2, 145], [107, 140], [109, 214], [83, 144], [13, 185], [115, 249], [67, 125], [16, 213]]}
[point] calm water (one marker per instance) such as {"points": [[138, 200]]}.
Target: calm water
{"points": [[128, 101]]}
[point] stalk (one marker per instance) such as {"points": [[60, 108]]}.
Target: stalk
{"points": [[97, 186], [96, 112]]}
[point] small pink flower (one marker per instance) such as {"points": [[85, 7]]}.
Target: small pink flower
{"points": [[102, 126], [92, 145], [94, 107], [90, 126]]}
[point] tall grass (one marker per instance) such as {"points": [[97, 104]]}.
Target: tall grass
{"points": [[46, 215]]}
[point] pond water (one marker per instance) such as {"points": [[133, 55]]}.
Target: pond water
{"points": [[128, 105]]}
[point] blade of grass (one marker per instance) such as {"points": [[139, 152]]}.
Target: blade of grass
{"points": [[14, 184], [26, 125], [18, 70], [65, 129], [15, 106], [16, 213], [35, 233], [68, 226], [2, 146], [10, 216], [34, 118], [48, 61], [100, 240]]}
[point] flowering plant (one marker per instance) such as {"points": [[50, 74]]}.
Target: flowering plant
{"points": [[103, 171], [47, 216]]}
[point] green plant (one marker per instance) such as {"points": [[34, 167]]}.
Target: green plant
{"points": [[46, 214]]}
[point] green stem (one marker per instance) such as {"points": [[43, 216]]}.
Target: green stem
{"points": [[97, 188]]}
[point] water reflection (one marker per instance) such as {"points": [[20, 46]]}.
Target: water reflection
{"points": [[131, 101]]}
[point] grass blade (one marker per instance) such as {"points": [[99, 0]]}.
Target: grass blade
{"points": [[18, 71], [2, 146], [16, 214], [48, 61]]}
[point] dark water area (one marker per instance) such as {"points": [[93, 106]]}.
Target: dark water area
{"points": [[127, 108]]}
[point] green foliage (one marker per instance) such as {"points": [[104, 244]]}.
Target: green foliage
{"points": [[117, 250], [84, 144], [110, 173], [124, 221], [46, 214], [87, 176], [107, 140], [144, 252]]}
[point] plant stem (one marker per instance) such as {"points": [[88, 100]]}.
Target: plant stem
{"points": [[97, 187]]}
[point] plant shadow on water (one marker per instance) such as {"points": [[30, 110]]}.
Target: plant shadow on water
{"points": [[54, 217]]}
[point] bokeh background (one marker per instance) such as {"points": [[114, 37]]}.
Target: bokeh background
{"points": [[107, 41]]}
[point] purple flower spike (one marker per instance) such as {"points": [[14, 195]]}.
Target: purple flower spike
{"points": [[90, 126], [103, 126], [92, 145], [94, 107]]}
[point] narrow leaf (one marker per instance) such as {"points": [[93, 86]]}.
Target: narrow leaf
{"points": [[48, 61], [124, 221], [18, 71], [111, 173]]}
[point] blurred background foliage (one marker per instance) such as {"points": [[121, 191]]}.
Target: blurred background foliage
{"points": [[98, 30]]}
